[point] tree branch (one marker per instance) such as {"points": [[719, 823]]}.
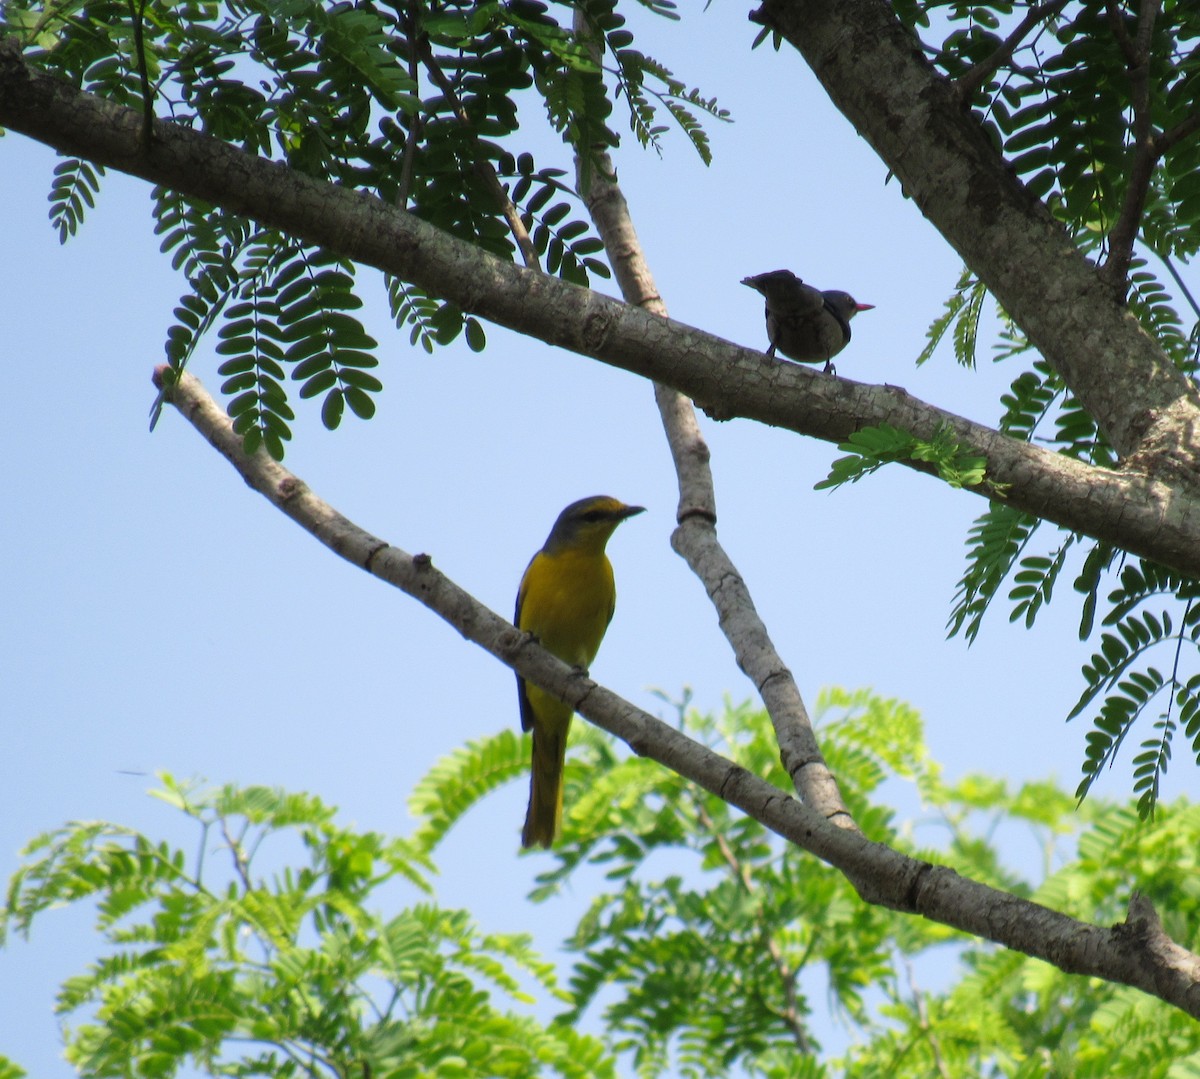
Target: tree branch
{"points": [[408, 159], [695, 540], [1116, 21], [923, 1023], [1136, 952], [1149, 508], [1146, 20], [1182, 130]]}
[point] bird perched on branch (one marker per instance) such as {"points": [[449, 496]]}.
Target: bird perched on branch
{"points": [[803, 323], [566, 601]]}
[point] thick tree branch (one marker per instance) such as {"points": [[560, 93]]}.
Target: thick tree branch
{"points": [[1147, 17], [1135, 952], [1151, 507], [875, 73]]}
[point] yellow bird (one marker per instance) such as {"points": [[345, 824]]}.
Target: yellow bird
{"points": [[566, 601]]}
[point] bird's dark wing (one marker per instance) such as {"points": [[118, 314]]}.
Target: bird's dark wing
{"points": [[522, 692]]}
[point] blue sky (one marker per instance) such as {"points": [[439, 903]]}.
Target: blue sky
{"points": [[159, 615]]}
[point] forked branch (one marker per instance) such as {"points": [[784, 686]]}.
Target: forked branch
{"points": [[977, 76]]}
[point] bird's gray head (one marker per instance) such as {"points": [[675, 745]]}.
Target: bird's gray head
{"points": [[845, 305]]}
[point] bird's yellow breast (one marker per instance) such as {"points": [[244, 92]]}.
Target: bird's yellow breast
{"points": [[567, 601]]}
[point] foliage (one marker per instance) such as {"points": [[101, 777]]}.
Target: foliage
{"points": [[1059, 106], [1149, 608], [1121, 672], [271, 963], [1014, 1016], [416, 104], [1064, 109], [75, 185], [870, 448], [962, 314], [709, 948]]}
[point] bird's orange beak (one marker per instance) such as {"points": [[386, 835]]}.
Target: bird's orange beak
{"points": [[864, 307]]}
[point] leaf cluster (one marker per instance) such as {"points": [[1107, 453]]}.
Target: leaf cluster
{"points": [[418, 104], [1142, 610], [870, 448], [1058, 100], [224, 964], [1144, 613]]}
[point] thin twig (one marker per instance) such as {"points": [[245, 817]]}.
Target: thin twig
{"points": [[137, 15], [481, 166], [1116, 20], [1182, 285], [239, 856], [923, 1023], [978, 74], [204, 826], [407, 161], [787, 975], [1146, 152]]}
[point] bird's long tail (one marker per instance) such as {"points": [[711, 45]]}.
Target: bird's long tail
{"points": [[544, 815]]}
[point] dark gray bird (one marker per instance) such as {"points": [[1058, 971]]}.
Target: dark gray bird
{"points": [[804, 324]]}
